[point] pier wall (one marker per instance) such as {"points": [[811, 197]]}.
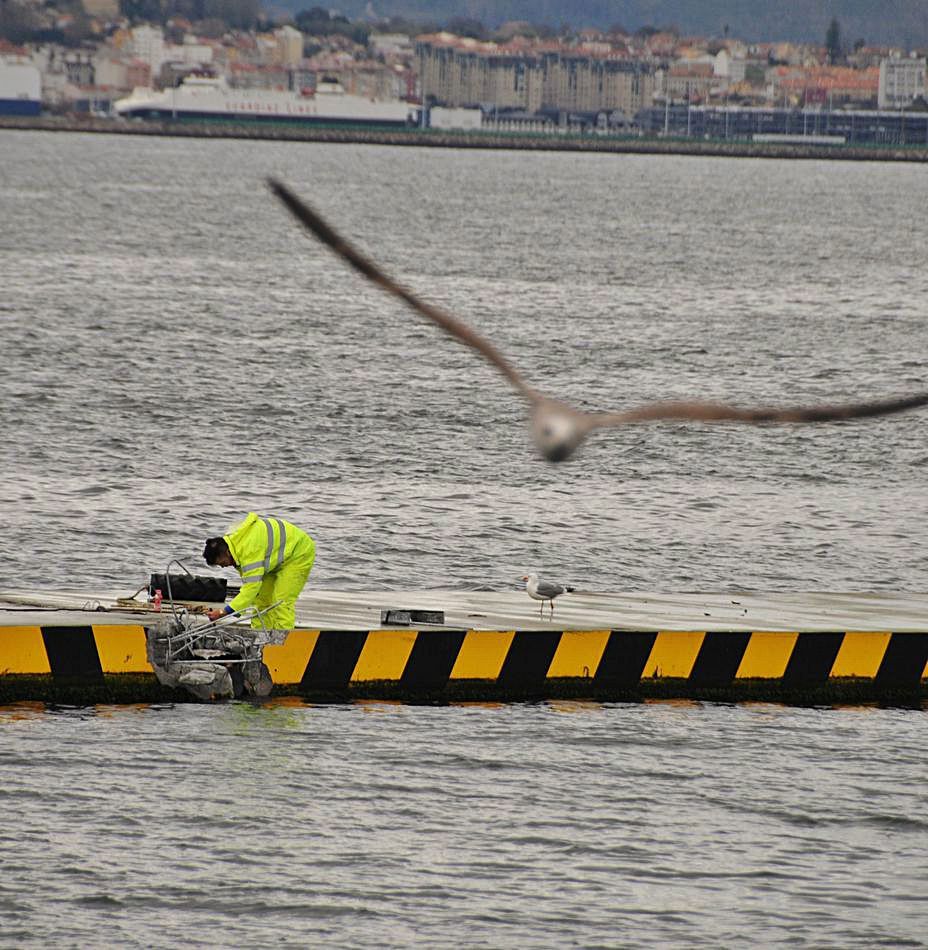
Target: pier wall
{"points": [[480, 140], [107, 662]]}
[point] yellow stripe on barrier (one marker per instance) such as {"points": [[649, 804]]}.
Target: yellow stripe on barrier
{"points": [[579, 653], [287, 661], [121, 648], [767, 655], [482, 654], [22, 650], [384, 655], [861, 654], [674, 653]]}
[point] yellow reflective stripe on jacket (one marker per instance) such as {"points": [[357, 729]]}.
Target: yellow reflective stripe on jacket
{"points": [[245, 543], [259, 546], [281, 544]]}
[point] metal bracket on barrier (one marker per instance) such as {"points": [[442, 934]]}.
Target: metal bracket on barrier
{"points": [[212, 659], [225, 638]]}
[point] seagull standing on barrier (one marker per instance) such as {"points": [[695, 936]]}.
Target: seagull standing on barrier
{"points": [[558, 428], [543, 591]]}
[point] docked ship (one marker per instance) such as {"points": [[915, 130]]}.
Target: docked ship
{"points": [[20, 87], [211, 98]]}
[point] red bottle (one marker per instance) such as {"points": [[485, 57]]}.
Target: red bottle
{"points": [[156, 600]]}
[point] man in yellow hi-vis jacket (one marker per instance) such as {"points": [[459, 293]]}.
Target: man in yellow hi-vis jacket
{"points": [[274, 558]]}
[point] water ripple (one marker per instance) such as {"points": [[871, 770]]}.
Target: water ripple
{"points": [[192, 357]]}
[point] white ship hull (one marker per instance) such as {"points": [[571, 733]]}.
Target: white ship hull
{"points": [[212, 99]]}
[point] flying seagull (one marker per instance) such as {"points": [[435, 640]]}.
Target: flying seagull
{"points": [[543, 591], [557, 427]]}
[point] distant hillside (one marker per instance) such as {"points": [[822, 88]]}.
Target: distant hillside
{"points": [[897, 22]]}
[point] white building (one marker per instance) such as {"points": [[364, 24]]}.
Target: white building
{"points": [[289, 46], [901, 82], [390, 44], [110, 70], [148, 45], [189, 53], [729, 68], [101, 8]]}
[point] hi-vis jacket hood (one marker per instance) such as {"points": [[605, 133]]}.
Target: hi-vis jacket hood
{"points": [[259, 546]]}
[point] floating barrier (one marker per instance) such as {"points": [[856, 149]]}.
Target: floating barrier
{"points": [[106, 661]]}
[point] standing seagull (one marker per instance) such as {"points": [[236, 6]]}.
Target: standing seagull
{"points": [[543, 591], [559, 428]]}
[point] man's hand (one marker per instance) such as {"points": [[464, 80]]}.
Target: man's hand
{"points": [[215, 614]]}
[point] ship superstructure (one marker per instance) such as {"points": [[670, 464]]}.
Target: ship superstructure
{"points": [[211, 98]]}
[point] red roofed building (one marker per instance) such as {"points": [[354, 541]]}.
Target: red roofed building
{"points": [[827, 85], [691, 81]]}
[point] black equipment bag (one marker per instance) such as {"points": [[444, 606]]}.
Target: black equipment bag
{"points": [[189, 587]]}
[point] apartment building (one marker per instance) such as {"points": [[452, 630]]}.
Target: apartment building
{"points": [[147, 44], [289, 47], [901, 82], [579, 82], [457, 71]]}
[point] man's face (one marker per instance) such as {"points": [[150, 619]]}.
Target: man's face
{"points": [[224, 559]]}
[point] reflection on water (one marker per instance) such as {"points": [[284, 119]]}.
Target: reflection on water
{"points": [[672, 823]]}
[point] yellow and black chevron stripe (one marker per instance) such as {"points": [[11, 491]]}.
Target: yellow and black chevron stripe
{"points": [[519, 661], [74, 653], [525, 660]]}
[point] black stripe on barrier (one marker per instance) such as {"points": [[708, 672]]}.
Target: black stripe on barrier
{"points": [[333, 659], [432, 659], [72, 653], [904, 660], [719, 658], [530, 654], [812, 658], [624, 658]]}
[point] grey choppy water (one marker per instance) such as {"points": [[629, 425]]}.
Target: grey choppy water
{"points": [[657, 825], [175, 353]]}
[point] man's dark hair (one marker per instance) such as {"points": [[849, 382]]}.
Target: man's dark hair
{"points": [[214, 548]]}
